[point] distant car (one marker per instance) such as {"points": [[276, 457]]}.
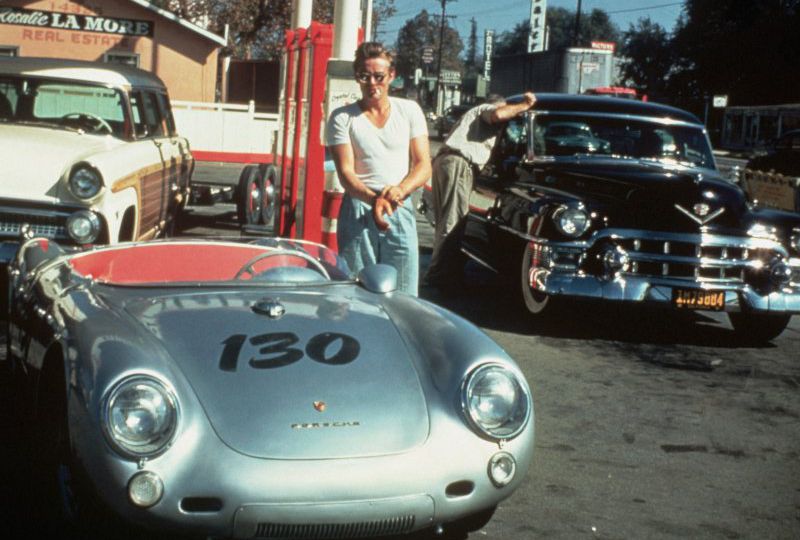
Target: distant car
{"points": [[642, 217], [573, 137], [783, 156], [254, 389], [90, 152], [450, 118]]}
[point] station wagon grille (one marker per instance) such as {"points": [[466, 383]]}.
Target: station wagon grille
{"points": [[45, 220], [324, 531], [48, 227]]}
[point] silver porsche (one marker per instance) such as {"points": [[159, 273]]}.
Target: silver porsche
{"points": [[253, 388]]}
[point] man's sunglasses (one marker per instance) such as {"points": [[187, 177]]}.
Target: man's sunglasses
{"points": [[365, 76]]}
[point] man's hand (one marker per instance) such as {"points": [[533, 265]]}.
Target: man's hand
{"points": [[393, 194], [380, 207], [529, 98]]}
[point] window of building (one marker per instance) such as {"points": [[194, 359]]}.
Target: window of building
{"points": [[128, 59], [6, 50]]}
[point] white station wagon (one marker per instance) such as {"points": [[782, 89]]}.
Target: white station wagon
{"points": [[89, 153]]}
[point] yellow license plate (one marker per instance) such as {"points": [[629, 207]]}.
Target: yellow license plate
{"points": [[698, 299]]}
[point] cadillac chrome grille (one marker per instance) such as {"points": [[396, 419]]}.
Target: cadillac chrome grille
{"points": [[685, 259], [323, 531]]}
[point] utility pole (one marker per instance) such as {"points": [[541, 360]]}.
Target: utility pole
{"points": [[577, 34], [439, 61]]}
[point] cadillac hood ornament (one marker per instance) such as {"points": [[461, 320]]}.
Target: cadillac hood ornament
{"points": [[701, 213]]}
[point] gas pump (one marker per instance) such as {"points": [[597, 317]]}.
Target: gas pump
{"points": [[309, 195]]}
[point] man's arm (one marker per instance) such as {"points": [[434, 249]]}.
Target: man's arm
{"points": [[344, 160], [507, 111], [419, 171]]}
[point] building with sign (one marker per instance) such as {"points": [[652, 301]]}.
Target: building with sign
{"points": [[133, 32]]}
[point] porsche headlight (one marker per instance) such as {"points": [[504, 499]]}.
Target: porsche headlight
{"points": [[85, 182], [83, 226], [571, 222], [141, 416], [496, 402]]}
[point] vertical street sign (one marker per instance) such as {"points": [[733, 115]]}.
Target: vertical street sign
{"points": [[488, 43], [536, 37]]}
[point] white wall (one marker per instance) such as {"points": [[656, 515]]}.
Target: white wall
{"points": [[223, 127]]}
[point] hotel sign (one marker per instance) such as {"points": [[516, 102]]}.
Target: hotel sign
{"points": [[73, 21]]}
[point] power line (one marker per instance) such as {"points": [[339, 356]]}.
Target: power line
{"points": [[645, 8]]}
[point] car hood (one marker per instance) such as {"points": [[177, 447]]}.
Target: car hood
{"points": [[35, 158], [329, 378], [648, 194]]}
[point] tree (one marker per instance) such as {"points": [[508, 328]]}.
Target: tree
{"points": [[257, 27], [423, 31], [382, 10], [746, 50], [560, 27], [647, 58]]}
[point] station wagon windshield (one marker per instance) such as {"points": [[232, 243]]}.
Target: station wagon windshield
{"points": [[70, 105], [568, 135]]}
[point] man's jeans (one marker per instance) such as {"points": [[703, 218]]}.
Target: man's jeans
{"points": [[361, 243]]}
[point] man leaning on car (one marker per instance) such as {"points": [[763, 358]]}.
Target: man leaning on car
{"points": [[465, 151]]}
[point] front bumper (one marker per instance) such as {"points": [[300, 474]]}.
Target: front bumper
{"points": [[44, 220], [212, 490], [645, 266]]}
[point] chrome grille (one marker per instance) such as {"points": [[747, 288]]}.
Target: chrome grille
{"points": [[46, 226], [688, 259], [324, 531]]}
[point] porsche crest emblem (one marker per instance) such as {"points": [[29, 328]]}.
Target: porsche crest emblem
{"points": [[320, 406]]}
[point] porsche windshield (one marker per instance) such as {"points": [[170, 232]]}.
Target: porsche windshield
{"points": [[578, 134], [64, 104]]}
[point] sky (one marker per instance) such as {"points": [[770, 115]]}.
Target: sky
{"points": [[503, 15]]}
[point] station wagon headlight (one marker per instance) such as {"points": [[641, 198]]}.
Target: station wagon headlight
{"points": [[83, 226], [141, 416], [85, 182], [496, 402], [571, 222]]}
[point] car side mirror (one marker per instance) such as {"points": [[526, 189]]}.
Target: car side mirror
{"points": [[378, 278]]}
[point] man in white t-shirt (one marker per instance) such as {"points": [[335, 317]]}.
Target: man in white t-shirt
{"points": [[465, 151], [380, 148]]}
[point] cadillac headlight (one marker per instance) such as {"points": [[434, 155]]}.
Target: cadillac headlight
{"points": [[571, 222], [83, 226], [795, 240], [496, 402], [85, 182], [141, 416]]}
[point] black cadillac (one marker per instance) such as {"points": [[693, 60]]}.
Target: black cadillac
{"points": [[621, 201]]}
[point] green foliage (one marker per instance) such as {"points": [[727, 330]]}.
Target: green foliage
{"points": [[747, 50], [647, 59], [257, 27], [596, 26], [421, 31]]}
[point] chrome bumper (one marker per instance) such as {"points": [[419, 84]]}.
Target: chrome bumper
{"points": [[645, 266]]}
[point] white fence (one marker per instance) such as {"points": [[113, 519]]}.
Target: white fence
{"points": [[226, 132]]}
